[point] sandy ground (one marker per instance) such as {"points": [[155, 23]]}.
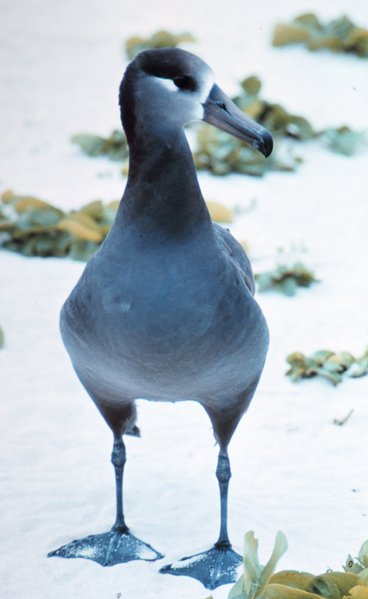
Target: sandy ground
{"points": [[293, 469]]}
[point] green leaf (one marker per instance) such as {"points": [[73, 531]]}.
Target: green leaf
{"points": [[255, 577], [279, 591], [293, 578], [288, 286], [334, 378], [333, 585], [363, 554], [358, 368], [252, 567], [343, 140], [279, 549], [114, 146], [321, 356], [326, 588]]}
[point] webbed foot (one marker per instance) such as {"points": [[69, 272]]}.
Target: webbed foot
{"points": [[108, 549], [212, 568]]}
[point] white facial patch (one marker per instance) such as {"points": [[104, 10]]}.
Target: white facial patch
{"points": [[183, 105], [207, 82], [167, 84]]}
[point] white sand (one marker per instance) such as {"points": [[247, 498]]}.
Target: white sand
{"points": [[293, 469]]}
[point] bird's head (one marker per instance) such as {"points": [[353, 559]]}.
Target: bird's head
{"points": [[170, 88]]}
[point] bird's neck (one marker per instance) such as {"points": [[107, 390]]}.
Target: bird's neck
{"points": [[162, 189]]}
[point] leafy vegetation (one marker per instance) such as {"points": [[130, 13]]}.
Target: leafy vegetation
{"points": [[271, 115], [338, 35], [344, 140], [285, 278], [261, 582], [159, 39], [255, 578], [114, 146], [327, 364], [221, 154], [358, 565], [33, 227]]}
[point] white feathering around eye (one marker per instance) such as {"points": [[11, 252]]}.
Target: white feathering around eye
{"points": [[207, 82], [194, 99], [167, 84]]}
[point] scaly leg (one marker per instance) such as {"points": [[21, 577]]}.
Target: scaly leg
{"points": [[117, 545], [218, 565]]}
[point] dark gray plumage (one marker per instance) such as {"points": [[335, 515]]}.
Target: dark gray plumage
{"points": [[165, 309]]}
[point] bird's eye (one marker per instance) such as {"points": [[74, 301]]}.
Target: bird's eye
{"points": [[185, 83]]}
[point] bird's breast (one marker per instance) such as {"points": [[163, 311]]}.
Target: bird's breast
{"points": [[156, 329]]}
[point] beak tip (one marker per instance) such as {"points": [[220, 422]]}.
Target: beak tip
{"points": [[266, 145], [220, 111]]}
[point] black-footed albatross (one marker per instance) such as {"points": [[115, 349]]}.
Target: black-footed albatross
{"points": [[164, 310]]}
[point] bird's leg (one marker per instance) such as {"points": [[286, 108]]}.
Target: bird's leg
{"points": [[223, 474], [217, 565], [118, 459], [117, 545]]}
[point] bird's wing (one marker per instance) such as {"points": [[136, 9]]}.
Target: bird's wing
{"points": [[237, 255]]}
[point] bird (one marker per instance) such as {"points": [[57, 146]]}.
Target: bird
{"points": [[165, 309]]}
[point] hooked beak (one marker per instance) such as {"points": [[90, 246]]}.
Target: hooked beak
{"points": [[220, 111]]}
